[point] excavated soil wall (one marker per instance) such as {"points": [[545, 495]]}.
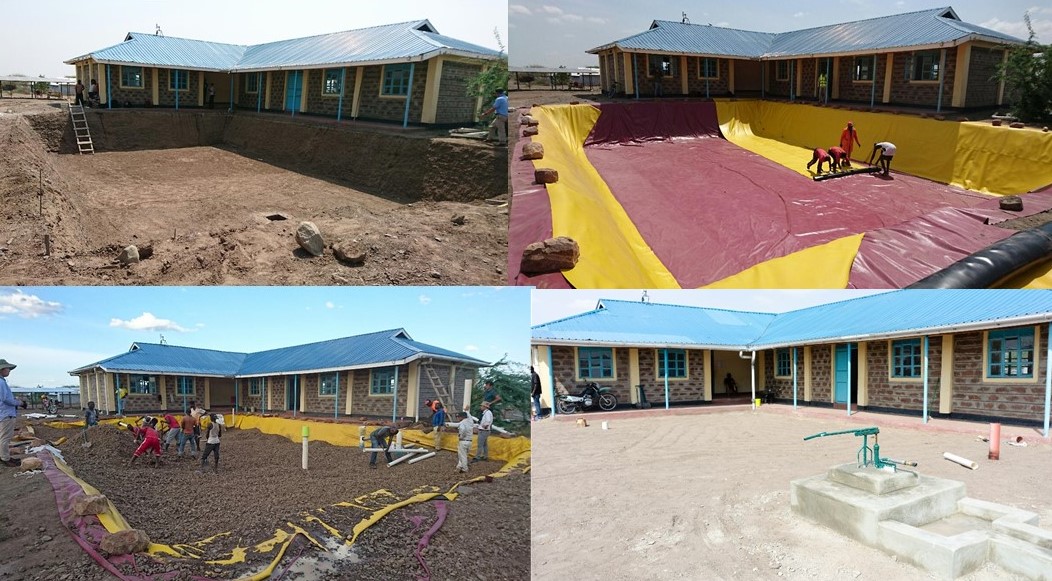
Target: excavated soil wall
{"points": [[402, 168]]}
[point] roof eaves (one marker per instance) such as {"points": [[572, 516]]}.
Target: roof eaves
{"points": [[372, 365]]}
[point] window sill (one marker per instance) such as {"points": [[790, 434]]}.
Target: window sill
{"points": [[394, 97]]}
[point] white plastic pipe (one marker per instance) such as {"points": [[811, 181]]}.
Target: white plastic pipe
{"points": [[959, 460], [399, 450], [401, 459], [421, 457]]}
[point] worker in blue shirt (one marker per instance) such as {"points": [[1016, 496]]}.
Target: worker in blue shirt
{"points": [[499, 125], [9, 405]]}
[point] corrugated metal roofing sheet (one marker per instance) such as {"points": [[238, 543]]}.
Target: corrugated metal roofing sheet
{"points": [[360, 350], [921, 28], [634, 323], [391, 42], [900, 313]]}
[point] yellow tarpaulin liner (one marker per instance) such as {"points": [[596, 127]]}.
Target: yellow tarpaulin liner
{"points": [[1037, 276], [824, 266], [613, 253], [515, 452], [975, 156]]}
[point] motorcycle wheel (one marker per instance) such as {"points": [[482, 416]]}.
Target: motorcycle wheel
{"points": [[566, 407], [607, 401]]}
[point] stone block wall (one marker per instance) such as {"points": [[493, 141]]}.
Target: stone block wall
{"points": [[565, 373], [982, 87], [821, 369], [136, 97], [921, 93], [690, 389], [428, 391], [373, 106], [783, 386], [325, 404], [897, 394], [717, 87], [378, 405], [320, 104], [973, 394], [454, 103]]}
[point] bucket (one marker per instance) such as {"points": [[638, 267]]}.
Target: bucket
{"points": [[758, 402], [606, 426]]}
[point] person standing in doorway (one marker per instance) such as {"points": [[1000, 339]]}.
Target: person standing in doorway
{"points": [[211, 95], [848, 140], [464, 431], [93, 92], [729, 384], [485, 424], [535, 393], [499, 126], [9, 405]]}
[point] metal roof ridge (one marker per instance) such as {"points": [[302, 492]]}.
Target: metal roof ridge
{"points": [[567, 318], [406, 26], [934, 12], [720, 27], [136, 35], [188, 347], [722, 309]]}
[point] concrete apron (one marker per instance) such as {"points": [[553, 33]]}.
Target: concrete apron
{"points": [[925, 520]]}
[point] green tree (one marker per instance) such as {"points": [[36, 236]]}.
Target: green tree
{"points": [[528, 79], [493, 76], [562, 79], [41, 88], [512, 382], [1027, 74]]}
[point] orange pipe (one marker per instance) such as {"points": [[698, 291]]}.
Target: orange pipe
{"points": [[995, 442]]}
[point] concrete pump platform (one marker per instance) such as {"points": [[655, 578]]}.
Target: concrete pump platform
{"points": [[925, 520]]}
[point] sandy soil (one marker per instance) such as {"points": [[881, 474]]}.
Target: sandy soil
{"points": [[252, 502], [204, 211], [704, 493]]}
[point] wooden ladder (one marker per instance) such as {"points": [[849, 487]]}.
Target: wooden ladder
{"points": [[80, 129], [436, 382]]}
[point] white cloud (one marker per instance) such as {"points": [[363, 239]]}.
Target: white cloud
{"points": [[552, 9], [572, 17], [471, 348], [519, 9], [596, 20], [424, 299], [1017, 28], [147, 322], [723, 24], [799, 14], [200, 325], [330, 305], [27, 306]]}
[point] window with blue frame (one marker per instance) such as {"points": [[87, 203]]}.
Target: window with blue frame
{"points": [[781, 69], [1010, 353], [178, 80], [708, 68], [184, 386], [863, 68], [906, 358], [333, 82], [783, 363], [923, 66], [146, 384], [382, 381], [677, 363], [396, 80], [328, 383], [256, 385], [252, 83], [131, 77], [595, 362]]}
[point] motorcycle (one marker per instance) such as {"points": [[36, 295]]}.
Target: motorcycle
{"points": [[591, 395]]}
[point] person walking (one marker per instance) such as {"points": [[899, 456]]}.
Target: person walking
{"points": [[382, 438], [438, 420], [464, 430], [499, 126], [535, 393], [9, 405], [485, 424], [172, 435], [215, 431], [848, 140], [887, 151]]}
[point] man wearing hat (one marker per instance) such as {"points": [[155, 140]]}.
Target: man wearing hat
{"points": [[485, 423], [499, 126], [9, 405], [464, 431]]}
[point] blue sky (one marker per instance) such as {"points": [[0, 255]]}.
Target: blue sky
{"points": [[549, 305], [557, 32], [48, 331], [38, 36]]}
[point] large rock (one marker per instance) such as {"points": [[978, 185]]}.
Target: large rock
{"points": [[552, 255], [31, 464], [125, 542], [526, 120], [1017, 125], [529, 131], [129, 255], [533, 150], [546, 175], [1012, 203], [90, 504], [309, 238], [350, 252]]}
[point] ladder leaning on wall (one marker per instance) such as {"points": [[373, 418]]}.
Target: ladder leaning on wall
{"points": [[436, 381], [80, 129]]}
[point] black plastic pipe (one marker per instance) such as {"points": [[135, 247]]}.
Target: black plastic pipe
{"points": [[995, 263]]}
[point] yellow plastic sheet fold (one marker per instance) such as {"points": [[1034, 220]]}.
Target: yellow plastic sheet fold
{"points": [[824, 266]]}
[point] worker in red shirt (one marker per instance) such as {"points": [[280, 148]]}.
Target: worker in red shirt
{"points": [[150, 442], [840, 159], [849, 139], [821, 156]]}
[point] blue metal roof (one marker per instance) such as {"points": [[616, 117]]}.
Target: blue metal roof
{"points": [[403, 41], [922, 28], [897, 313], [371, 349], [636, 323]]}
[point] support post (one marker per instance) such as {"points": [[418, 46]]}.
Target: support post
{"points": [[666, 377], [259, 91], [924, 375], [829, 77], [336, 404], [408, 96], [295, 84], [792, 86], [551, 383], [1048, 379], [942, 78], [230, 79], [394, 409], [109, 90], [794, 378], [635, 72], [343, 83], [707, 75], [849, 379], [873, 84], [176, 88]]}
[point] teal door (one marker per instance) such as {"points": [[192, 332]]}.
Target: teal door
{"points": [[845, 373], [294, 91], [292, 393]]}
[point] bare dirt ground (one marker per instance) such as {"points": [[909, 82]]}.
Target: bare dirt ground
{"points": [[259, 488], [204, 212], [704, 493]]}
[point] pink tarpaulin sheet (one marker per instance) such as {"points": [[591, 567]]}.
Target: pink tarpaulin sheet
{"points": [[623, 123]]}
